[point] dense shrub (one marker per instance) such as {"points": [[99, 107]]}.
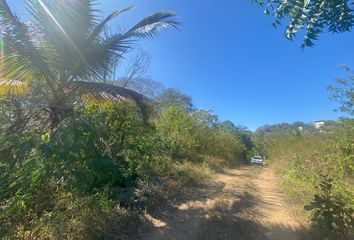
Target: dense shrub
{"points": [[90, 177], [194, 136], [179, 131], [330, 213]]}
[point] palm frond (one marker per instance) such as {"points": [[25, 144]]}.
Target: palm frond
{"points": [[151, 25], [102, 25], [12, 87], [17, 37], [66, 44], [75, 18], [109, 92], [100, 58], [63, 28], [103, 54], [14, 66]]}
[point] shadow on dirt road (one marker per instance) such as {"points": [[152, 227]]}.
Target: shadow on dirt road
{"points": [[241, 203]]}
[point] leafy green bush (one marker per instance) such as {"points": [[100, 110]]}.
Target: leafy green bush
{"points": [[197, 136], [56, 187], [179, 130], [225, 145], [330, 213]]}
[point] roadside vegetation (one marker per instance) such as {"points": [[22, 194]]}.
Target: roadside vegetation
{"points": [[103, 167], [308, 160]]}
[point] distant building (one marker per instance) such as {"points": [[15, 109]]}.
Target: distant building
{"points": [[301, 129], [319, 124]]}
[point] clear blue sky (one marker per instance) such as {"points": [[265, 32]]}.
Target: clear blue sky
{"points": [[230, 59]]}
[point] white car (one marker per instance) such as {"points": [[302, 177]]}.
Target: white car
{"points": [[257, 160]]}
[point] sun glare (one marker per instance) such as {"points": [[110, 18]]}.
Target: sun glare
{"points": [[1, 52], [62, 29]]}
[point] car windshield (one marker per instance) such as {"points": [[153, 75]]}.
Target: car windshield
{"points": [[256, 157]]}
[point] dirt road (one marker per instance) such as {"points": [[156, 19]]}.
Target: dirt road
{"points": [[241, 203]]}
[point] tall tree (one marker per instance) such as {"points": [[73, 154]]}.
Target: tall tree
{"points": [[172, 97], [64, 51]]}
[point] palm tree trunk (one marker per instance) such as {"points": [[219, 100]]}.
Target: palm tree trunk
{"points": [[58, 112]]}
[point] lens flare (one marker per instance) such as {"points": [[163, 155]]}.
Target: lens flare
{"points": [[1, 53], [62, 29]]}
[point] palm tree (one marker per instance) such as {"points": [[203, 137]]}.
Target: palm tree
{"points": [[64, 50]]}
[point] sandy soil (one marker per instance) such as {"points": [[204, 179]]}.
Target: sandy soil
{"points": [[242, 203]]}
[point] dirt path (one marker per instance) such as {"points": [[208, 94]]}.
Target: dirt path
{"points": [[242, 203]]}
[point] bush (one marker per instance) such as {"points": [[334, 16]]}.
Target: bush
{"points": [[195, 137], [179, 131], [69, 184], [330, 213]]}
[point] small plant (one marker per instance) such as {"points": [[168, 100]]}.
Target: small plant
{"points": [[330, 213]]}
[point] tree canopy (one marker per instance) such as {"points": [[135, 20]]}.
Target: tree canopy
{"points": [[172, 97], [310, 16]]}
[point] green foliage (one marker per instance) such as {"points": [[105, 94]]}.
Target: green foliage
{"points": [[241, 131], [96, 171], [330, 213], [227, 146], [49, 185], [194, 136], [179, 131], [173, 98], [311, 16], [68, 185], [301, 159], [343, 93]]}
